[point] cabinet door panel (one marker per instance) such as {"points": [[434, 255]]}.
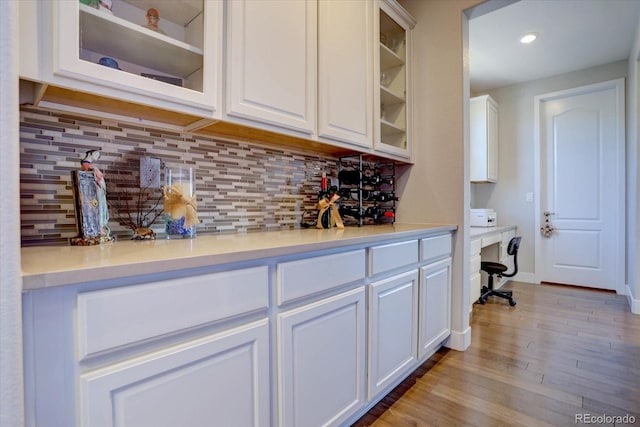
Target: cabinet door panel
{"points": [[345, 69], [393, 316], [435, 305], [322, 361], [271, 62], [223, 378]]}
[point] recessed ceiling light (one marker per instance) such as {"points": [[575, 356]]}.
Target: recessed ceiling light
{"points": [[528, 38]]}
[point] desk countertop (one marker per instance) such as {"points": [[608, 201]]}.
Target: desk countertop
{"points": [[46, 266], [478, 232]]}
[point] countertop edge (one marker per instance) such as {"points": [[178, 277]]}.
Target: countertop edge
{"points": [[479, 232], [100, 272]]}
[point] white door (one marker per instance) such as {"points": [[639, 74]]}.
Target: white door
{"points": [[582, 186]]}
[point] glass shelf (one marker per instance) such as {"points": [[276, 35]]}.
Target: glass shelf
{"points": [[392, 93], [122, 40]]}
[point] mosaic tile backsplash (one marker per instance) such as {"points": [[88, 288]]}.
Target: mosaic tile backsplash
{"points": [[240, 186]]}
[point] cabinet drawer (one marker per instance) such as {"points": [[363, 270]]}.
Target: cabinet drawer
{"points": [[435, 247], [117, 317], [297, 279], [387, 257], [490, 240]]}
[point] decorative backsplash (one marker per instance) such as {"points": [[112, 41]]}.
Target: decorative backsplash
{"points": [[240, 186]]}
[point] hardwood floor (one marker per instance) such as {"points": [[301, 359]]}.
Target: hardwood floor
{"points": [[560, 352]]}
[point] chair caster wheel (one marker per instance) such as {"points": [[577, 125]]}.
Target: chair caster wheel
{"points": [[512, 303], [482, 301]]}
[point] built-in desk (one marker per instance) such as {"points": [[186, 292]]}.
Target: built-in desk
{"points": [[488, 244]]}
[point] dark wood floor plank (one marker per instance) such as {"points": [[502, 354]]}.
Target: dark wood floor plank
{"points": [[560, 353]]}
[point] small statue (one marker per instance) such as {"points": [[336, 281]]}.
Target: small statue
{"points": [[90, 195], [106, 6], [152, 21]]}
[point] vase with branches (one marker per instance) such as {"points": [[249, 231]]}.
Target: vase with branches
{"points": [[135, 207]]}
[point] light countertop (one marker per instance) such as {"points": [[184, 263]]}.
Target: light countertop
{"points": [[45, 266], [477, 232]]}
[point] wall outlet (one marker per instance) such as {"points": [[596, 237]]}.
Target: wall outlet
{"points": [[149, 172]]}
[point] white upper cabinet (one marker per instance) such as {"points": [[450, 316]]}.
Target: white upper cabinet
{"points": [[114, 54], [271, 62], [483, 113], [345, 71], [392, 58]]}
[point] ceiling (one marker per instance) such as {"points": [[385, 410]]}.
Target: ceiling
{"points": [[572, 35]]}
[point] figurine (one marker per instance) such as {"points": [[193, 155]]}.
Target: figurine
{"points": [[90, 195], [105, 6], [152, 21]]}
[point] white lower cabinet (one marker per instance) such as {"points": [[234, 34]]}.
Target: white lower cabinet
{"points": [[393, 325], [321, 373], [221, 379], [308, 340], [435, 306]]}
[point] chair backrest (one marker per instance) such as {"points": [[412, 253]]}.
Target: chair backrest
{"points": [[512, 249], [514, 245]]}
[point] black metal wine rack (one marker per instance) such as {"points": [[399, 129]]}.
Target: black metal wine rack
{"points": [[367, 190]]}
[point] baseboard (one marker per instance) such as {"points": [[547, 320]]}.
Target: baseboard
{"points": [[459, 340], [525, 277], [634, 303]]}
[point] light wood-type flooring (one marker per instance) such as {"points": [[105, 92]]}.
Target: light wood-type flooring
{"points": [[559, 353]]}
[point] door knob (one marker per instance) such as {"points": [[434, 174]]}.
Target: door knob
{"points": [[547, 229]]}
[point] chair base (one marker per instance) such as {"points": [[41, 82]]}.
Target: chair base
{"points": [[487, 292]]}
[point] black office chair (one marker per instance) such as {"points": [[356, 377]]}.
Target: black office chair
{"points": [[495, 268]]}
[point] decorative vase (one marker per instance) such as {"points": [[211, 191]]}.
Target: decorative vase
{"points": [[180, 207]]}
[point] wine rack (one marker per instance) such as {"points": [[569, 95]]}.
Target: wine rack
{"points": [[367, 190]]}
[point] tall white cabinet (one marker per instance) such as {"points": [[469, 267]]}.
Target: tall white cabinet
{"points": [[484, 139]]}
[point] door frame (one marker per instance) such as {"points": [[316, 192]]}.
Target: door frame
{"points": [[618, 85]]}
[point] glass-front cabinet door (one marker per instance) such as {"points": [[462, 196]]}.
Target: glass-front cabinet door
{"points": [[155, 52], [393, 82]]}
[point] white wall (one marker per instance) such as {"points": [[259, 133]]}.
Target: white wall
{"points": [[515, 168], [11, 385], [436, 188], [633, 189]]}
